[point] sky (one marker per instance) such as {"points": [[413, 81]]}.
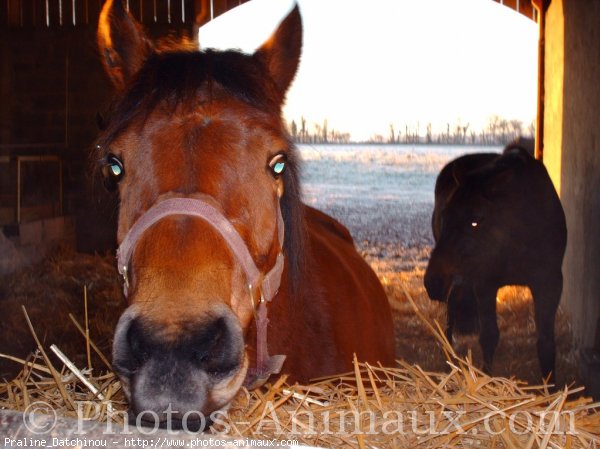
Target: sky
{"points": [[366, 65]]}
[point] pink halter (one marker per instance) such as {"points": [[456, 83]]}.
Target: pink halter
{"points": [[268, 286]]}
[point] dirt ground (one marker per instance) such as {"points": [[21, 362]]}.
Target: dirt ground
{"points": [[54, 289]]}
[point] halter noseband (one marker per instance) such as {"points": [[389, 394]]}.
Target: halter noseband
{"points": [[266, 285]]}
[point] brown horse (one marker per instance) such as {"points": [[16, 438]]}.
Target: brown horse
{"points": [[212, 231]]}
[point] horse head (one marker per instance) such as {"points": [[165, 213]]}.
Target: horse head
{"points": [[197, 148]]}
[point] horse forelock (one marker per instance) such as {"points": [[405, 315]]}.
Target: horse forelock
{"points": [[182, 78], [177, 77]]}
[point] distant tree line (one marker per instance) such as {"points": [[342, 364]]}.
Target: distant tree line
{"points": [[317, 133], [497, 131]]}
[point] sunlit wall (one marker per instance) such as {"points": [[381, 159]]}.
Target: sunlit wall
{"points": [[572, 152], [553, 85]]}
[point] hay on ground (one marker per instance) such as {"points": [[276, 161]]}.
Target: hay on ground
{"points": [[370, 407]]}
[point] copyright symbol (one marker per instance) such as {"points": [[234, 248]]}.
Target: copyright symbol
{"points": [[39, 418]]}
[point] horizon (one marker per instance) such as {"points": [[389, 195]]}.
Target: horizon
{"points": [[497, 131]]}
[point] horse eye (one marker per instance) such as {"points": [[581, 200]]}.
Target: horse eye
{"points": [[278, 164], [113, 171], [476, 222], [115, 167]]}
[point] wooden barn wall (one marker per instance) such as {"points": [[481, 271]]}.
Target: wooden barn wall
{"points": [[572, 152], [53, 86]]}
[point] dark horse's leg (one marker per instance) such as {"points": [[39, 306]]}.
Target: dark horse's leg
{"points": [[462, 311], [489, 334], [546, 296]]}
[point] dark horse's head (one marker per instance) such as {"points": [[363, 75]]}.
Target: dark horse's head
{"points": [[204, 167]]}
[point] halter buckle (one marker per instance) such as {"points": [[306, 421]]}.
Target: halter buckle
{"points": [[125, 277]]}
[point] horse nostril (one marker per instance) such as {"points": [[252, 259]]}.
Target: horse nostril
{"points": [[208, 341], [132, 346], [200, 357], [215, 347], [129, 350], [137, 343]]}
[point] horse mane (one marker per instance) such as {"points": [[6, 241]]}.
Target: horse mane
{"points": [[176, 76], [292, 210]]}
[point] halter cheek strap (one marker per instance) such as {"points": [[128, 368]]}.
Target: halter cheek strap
{"points": [[267, 287]]}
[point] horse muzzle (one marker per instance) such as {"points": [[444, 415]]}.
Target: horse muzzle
{"points": [[439, 286], [266, 285], [436, 285], [179, 382]]}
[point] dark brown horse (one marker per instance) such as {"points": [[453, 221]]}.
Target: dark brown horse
{"points": [[212, 231]]}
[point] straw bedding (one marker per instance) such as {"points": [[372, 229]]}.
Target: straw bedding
{"points": [[404, 407]]}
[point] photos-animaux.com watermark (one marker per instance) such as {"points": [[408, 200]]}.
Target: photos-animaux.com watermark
{"points": [[40, 419]]}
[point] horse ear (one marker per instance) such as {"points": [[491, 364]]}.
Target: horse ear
{"points": [[281, 52], [122, 43]]}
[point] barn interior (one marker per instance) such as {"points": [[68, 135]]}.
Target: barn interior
{"points": [[54, 93]]}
